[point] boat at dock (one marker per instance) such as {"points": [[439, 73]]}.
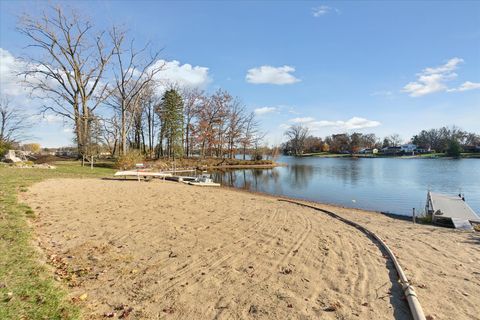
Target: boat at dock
{"points": [[203, 180]]}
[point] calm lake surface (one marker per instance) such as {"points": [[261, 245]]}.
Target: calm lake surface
{"points": [[382, 184]]}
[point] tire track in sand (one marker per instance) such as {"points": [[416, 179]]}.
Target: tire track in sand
{"points": [[182, 275]]}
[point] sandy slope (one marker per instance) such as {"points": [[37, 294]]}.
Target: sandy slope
{"points": [[175, 251]]}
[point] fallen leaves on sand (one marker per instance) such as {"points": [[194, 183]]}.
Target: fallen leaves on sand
{"points": [[253, 309], [333, 307], [169, 310], [286, 270], [124, 310], [64, 272]]}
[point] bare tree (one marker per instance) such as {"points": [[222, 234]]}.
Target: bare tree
{"points": [[250, 133], [69, 71], [133, 73], [236, 122], [211, 123], [150, 102], [220, 101], [395, 139], [12, 122], [297, 135], [110, 134], [192, 99]]}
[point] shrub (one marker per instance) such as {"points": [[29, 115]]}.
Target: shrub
{"points": [[4, 147], [128, 160], [27, 163], [454, 149], [257, 157]]}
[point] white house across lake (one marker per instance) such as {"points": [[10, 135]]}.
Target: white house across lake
{"points": [[409, 147]]}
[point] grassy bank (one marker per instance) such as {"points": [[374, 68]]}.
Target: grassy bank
{"points": [[417, 156], [210, 163], [326, 155], [27, 290]]}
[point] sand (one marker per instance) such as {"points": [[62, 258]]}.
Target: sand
{"points": [[166, 250]]}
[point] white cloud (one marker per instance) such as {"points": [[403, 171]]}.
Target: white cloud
{"points": [[184, 75], [350, 124], [302, 120], [323, 10], [53, 118], [450, 66], [264, 110], [432, 80], [10, 81], [468, 85], [271, 75], [355, 123], [293, 111], [48, 118]]}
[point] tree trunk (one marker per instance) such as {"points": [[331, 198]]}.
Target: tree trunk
{"points": [[187, 139], [123, 133]]}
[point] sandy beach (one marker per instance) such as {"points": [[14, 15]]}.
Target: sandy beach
{"points": [[149, 250]]}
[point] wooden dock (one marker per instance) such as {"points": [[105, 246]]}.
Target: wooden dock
{"points": [[450, 210], [139, 174]]}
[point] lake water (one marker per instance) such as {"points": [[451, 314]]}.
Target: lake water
{"points": [[382, 184]]}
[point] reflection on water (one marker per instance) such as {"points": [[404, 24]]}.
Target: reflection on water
{"points": [[390, 185], [299, 175]]}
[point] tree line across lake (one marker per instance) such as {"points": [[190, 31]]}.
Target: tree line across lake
{"points": [[444, 140]]}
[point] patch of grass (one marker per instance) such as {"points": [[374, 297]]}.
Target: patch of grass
{"points": [[326, 155], [475, 155], [427, 219], [27, 288], [431, 155]]}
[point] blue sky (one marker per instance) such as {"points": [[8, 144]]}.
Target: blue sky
{"points": [[383, 67]]}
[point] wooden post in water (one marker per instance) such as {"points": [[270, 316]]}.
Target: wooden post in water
{"points": [[413, 216]]}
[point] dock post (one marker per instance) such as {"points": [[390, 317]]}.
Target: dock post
{"points": [[413, 216]]}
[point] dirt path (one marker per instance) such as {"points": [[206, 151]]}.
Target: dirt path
{"points": [[163, 249]]}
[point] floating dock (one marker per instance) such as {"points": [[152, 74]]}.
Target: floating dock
{"points": [[450, 210]]}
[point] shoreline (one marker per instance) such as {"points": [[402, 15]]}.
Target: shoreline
{"points": [[333, 205], [363, 156], [240, 249], [246, 166]]}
